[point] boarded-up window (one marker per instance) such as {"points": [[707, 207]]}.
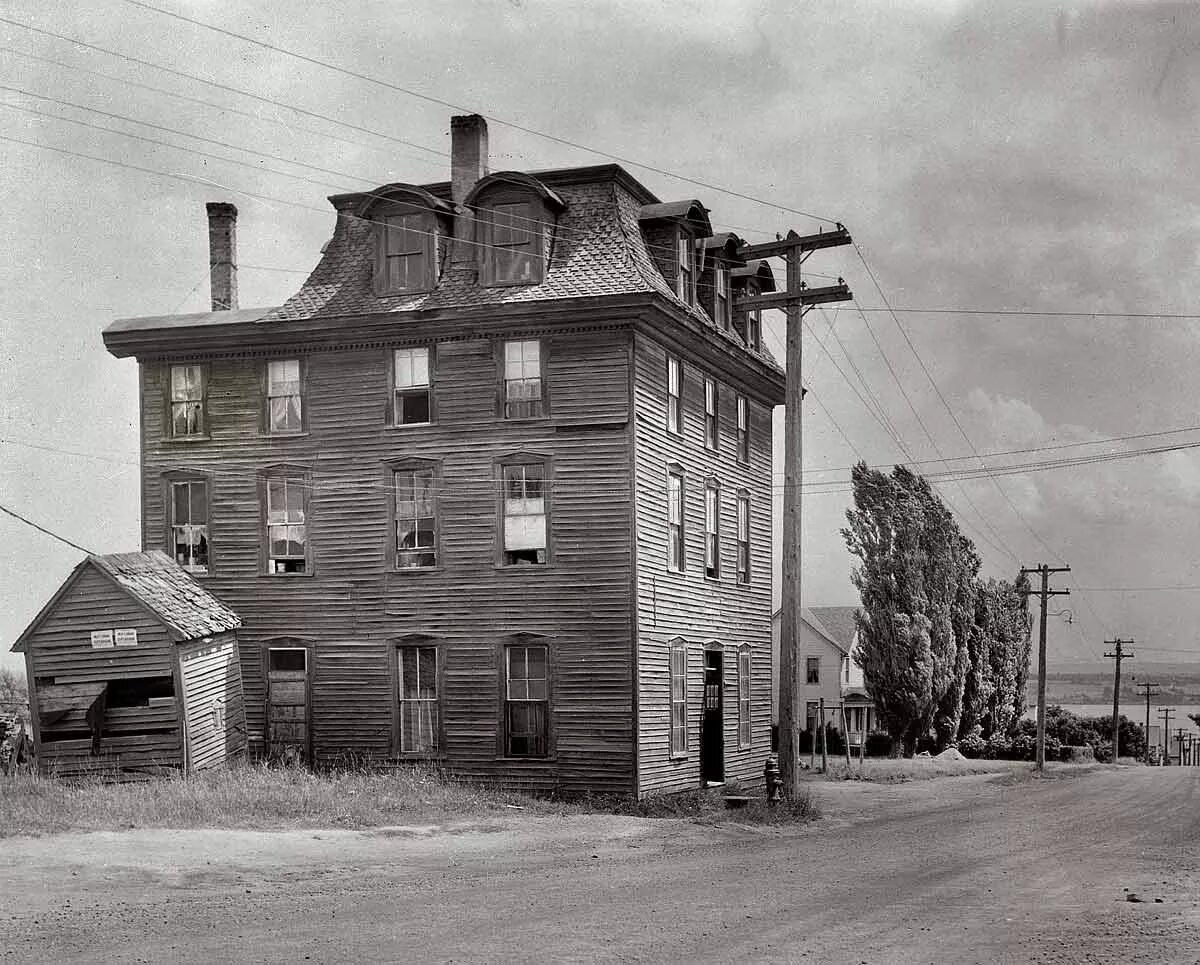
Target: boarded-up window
{"points": [[674, 397], [743, 681], [675, 555], [523, 397], [524, 512], [412, 387], [743, 539], [743, 429], [527, 701], [283, 396], [418, 695], [813, 670], [287, 528], [710, 414], [187, 401], [406, 253], [189, 524], [712, 531], [679, 736], [416, 518], [513, 255]]}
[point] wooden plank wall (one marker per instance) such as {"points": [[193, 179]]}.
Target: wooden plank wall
{"points": [[61, 651], [212, 701], [687, 604], [354, 605]]}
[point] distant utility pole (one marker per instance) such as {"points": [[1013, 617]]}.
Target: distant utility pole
{"points": [[1166, 713], [1148, 693], [1118, 654], [796, 301], [1045, 593]]}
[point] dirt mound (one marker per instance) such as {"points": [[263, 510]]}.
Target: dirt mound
{"points": [[950, 754]]}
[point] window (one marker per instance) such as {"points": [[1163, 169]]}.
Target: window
{"points": [[721, 302], [675, 557], [284, 413], [189, 524], [526, 701], [686, 279], [417, 681], [674, 397], [523, 507], [512, 256], [411, 387], [416, 518], [846, 664], [187, 401], [754, 329], [405, 253], [679, 735], [287, 531], [523, 396], [743, 539], [287, 659], [710, 414], [743, 429], [812, 670], [712, 531], [743, 681]]}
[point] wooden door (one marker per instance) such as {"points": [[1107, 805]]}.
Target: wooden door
{"points": [[287, 704], [712, 728]]}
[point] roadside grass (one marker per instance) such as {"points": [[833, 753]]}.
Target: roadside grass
{"points": [[260, 797], [889, 770]]}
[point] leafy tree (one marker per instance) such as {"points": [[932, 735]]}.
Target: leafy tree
{"points": [[14, 698]]}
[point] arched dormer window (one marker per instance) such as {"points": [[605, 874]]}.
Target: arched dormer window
{"points": [[756, 278], [408, 224], [672, 231], [716, 293], [515, 218]]}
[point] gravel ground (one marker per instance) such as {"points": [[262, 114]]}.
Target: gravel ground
{"points": [[972, 869]]}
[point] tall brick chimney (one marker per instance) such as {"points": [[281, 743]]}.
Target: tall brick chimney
{"points": [[222, 255], [468, 163]]}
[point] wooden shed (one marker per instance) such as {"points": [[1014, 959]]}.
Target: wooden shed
{"points": [[133, 668]]}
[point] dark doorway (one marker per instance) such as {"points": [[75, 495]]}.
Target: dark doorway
{"points": [[287, 704], [712, 730]]}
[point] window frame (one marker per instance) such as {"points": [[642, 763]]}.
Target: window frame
{"points": [[427, 230], [675, 399], [503, 380], [686, 267], [524, 460], [722, 295], [301, 394], [712, 414], [742, 448], [394, 390], [537, 219], [417, 641], [677, 698], [392, 550], [169, 480], [677, 531], [712, 528], [743, 567], [745, 708], [169, 403], [524, 641], [812, 671], [291, 473]]}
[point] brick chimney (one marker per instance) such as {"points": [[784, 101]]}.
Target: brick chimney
{"points": [[468, 163], [222, 255]]}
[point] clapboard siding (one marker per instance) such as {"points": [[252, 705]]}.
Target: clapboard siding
{"points": [[211, 675], [688, 605], [353, 606]]}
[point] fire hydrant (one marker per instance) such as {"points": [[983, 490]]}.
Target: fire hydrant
{"points": [[772, 778]]}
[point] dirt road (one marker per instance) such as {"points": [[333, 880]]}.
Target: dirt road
{"points": [[974, 869]]}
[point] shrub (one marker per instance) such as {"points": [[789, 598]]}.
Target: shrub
{"points": [[879, 744], [973, 746]]}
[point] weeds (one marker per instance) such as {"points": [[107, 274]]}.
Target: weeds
{"points": [[888, 770]]}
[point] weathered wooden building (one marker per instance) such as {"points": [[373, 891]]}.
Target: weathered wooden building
{"points": [[493, 487], [133, 667]]}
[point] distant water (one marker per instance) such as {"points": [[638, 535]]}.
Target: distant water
{"points": [[1136, 712]]}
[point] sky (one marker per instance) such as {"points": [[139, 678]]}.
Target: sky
{"points": [[987, 158]]}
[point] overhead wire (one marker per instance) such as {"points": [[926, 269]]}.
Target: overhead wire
{"points": [[42, 529]]}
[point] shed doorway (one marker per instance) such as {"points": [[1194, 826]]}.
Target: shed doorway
{"points": [[712, 729], [287, 704]]}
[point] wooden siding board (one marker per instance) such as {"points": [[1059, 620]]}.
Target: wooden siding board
{"points": [[210, 673]]}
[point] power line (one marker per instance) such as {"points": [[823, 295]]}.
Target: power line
{"points": [[1030, 312], [458, 107], [42, 529]]}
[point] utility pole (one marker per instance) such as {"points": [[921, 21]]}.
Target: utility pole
{"points": [[796, 301], [1148, 693], [1045, 593], [1119, 655], [1166, 713]]}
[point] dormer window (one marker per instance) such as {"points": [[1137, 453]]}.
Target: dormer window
{"points": [[407, 222], [514, 257], [515, 217], [670, 230], [721, 295], [720, 256], [407, 253], [685, 278], [749, 282]]}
